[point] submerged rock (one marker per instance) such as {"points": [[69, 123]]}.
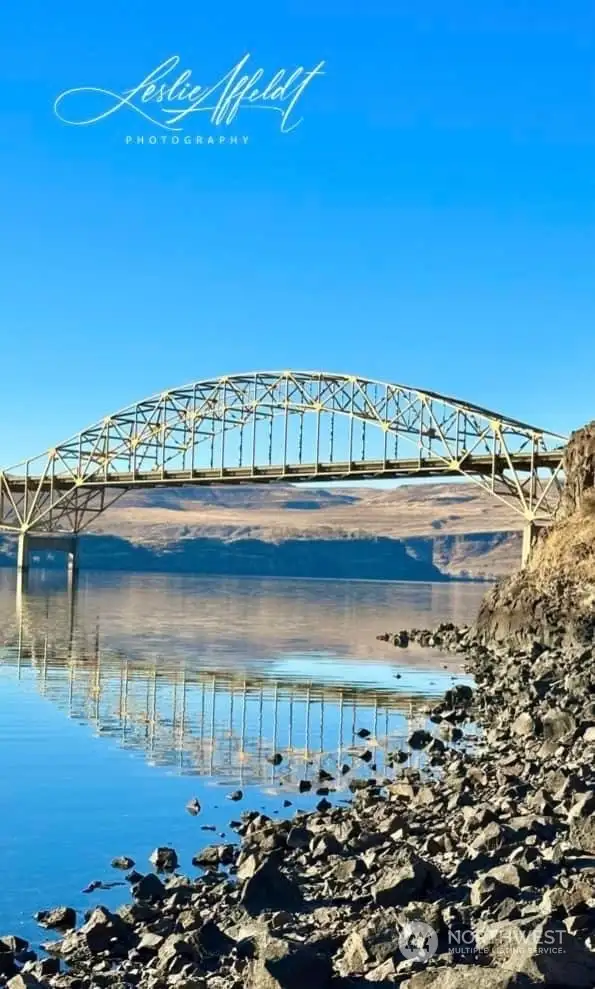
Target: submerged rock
{"points": [[420, 739], [123, 862], [164, 859], [59, 919]]}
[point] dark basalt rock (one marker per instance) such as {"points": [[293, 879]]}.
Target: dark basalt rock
{"points": [[164, 859], [58, 919], [13, 944], [211, 940], [269, 889], [411, 881], [25, 980], [8, 966], [420, 739], [213, 856], [149, 888], [123, 862], [283, 964]]}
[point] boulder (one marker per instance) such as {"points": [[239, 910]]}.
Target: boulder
{"points": [[164, 859], [557, 724], [214, 855], [525, 724], [373, 942], [25, 980], [546, 954], [411, 881], [581, 819], [461, 977], [564, 900], [123, 862], [212, 941], [419, 739], [174, 955], [105, 931], [487, 891], [58, 919], [13, 944], [298, 837], [269, 889], [323, 845], [8, 966], [284, 964], [510, 875], [149, 888], [489, 838]]}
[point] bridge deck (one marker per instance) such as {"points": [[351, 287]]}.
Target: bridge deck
{"points": [[485, 465]]}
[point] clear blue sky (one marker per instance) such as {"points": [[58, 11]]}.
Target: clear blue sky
{"points": [[431, 221]]}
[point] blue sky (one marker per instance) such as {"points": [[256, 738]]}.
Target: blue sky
{"points": [[430, 222]]}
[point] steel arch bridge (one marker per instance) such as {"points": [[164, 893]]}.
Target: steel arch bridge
{"points": [[288, 426]]}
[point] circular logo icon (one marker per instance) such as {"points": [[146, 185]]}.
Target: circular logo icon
{"points": [[418, 941]]}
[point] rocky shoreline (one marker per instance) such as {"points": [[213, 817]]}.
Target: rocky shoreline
{"points": [[476, 870]]}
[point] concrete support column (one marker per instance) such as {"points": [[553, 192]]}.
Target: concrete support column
{"points": [[73, 564], [29, 542], [530, 533], [23, 552], [73, 557]]}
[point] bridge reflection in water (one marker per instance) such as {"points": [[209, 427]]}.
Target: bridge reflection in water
{"points": [[209, 717]]}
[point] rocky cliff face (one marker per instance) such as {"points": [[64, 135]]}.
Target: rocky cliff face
{"points": [[579, 466], [552, 601]]}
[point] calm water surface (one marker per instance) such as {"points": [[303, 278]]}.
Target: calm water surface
{"points": [[121, 701]]}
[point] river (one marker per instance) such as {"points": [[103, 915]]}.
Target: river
{"points": [[123, 700]]}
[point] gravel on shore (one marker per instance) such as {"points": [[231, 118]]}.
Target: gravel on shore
{"points": [[476, 870]]}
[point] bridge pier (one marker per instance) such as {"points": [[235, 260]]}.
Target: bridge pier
{"points": [[530, 534], [23, 553], [31, 541]]}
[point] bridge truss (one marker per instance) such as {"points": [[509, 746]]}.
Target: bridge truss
{"points": [[282, 427]]}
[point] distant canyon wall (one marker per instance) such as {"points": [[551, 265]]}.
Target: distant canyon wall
{"points": [[474, 556]]}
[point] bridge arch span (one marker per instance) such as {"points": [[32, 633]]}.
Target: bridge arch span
{"points": [[287, 426]]}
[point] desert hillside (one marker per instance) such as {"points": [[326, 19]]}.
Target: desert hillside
{"points": [[459, 527]]}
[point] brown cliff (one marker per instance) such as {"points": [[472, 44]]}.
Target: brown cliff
{"points": [[552, 600]]}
